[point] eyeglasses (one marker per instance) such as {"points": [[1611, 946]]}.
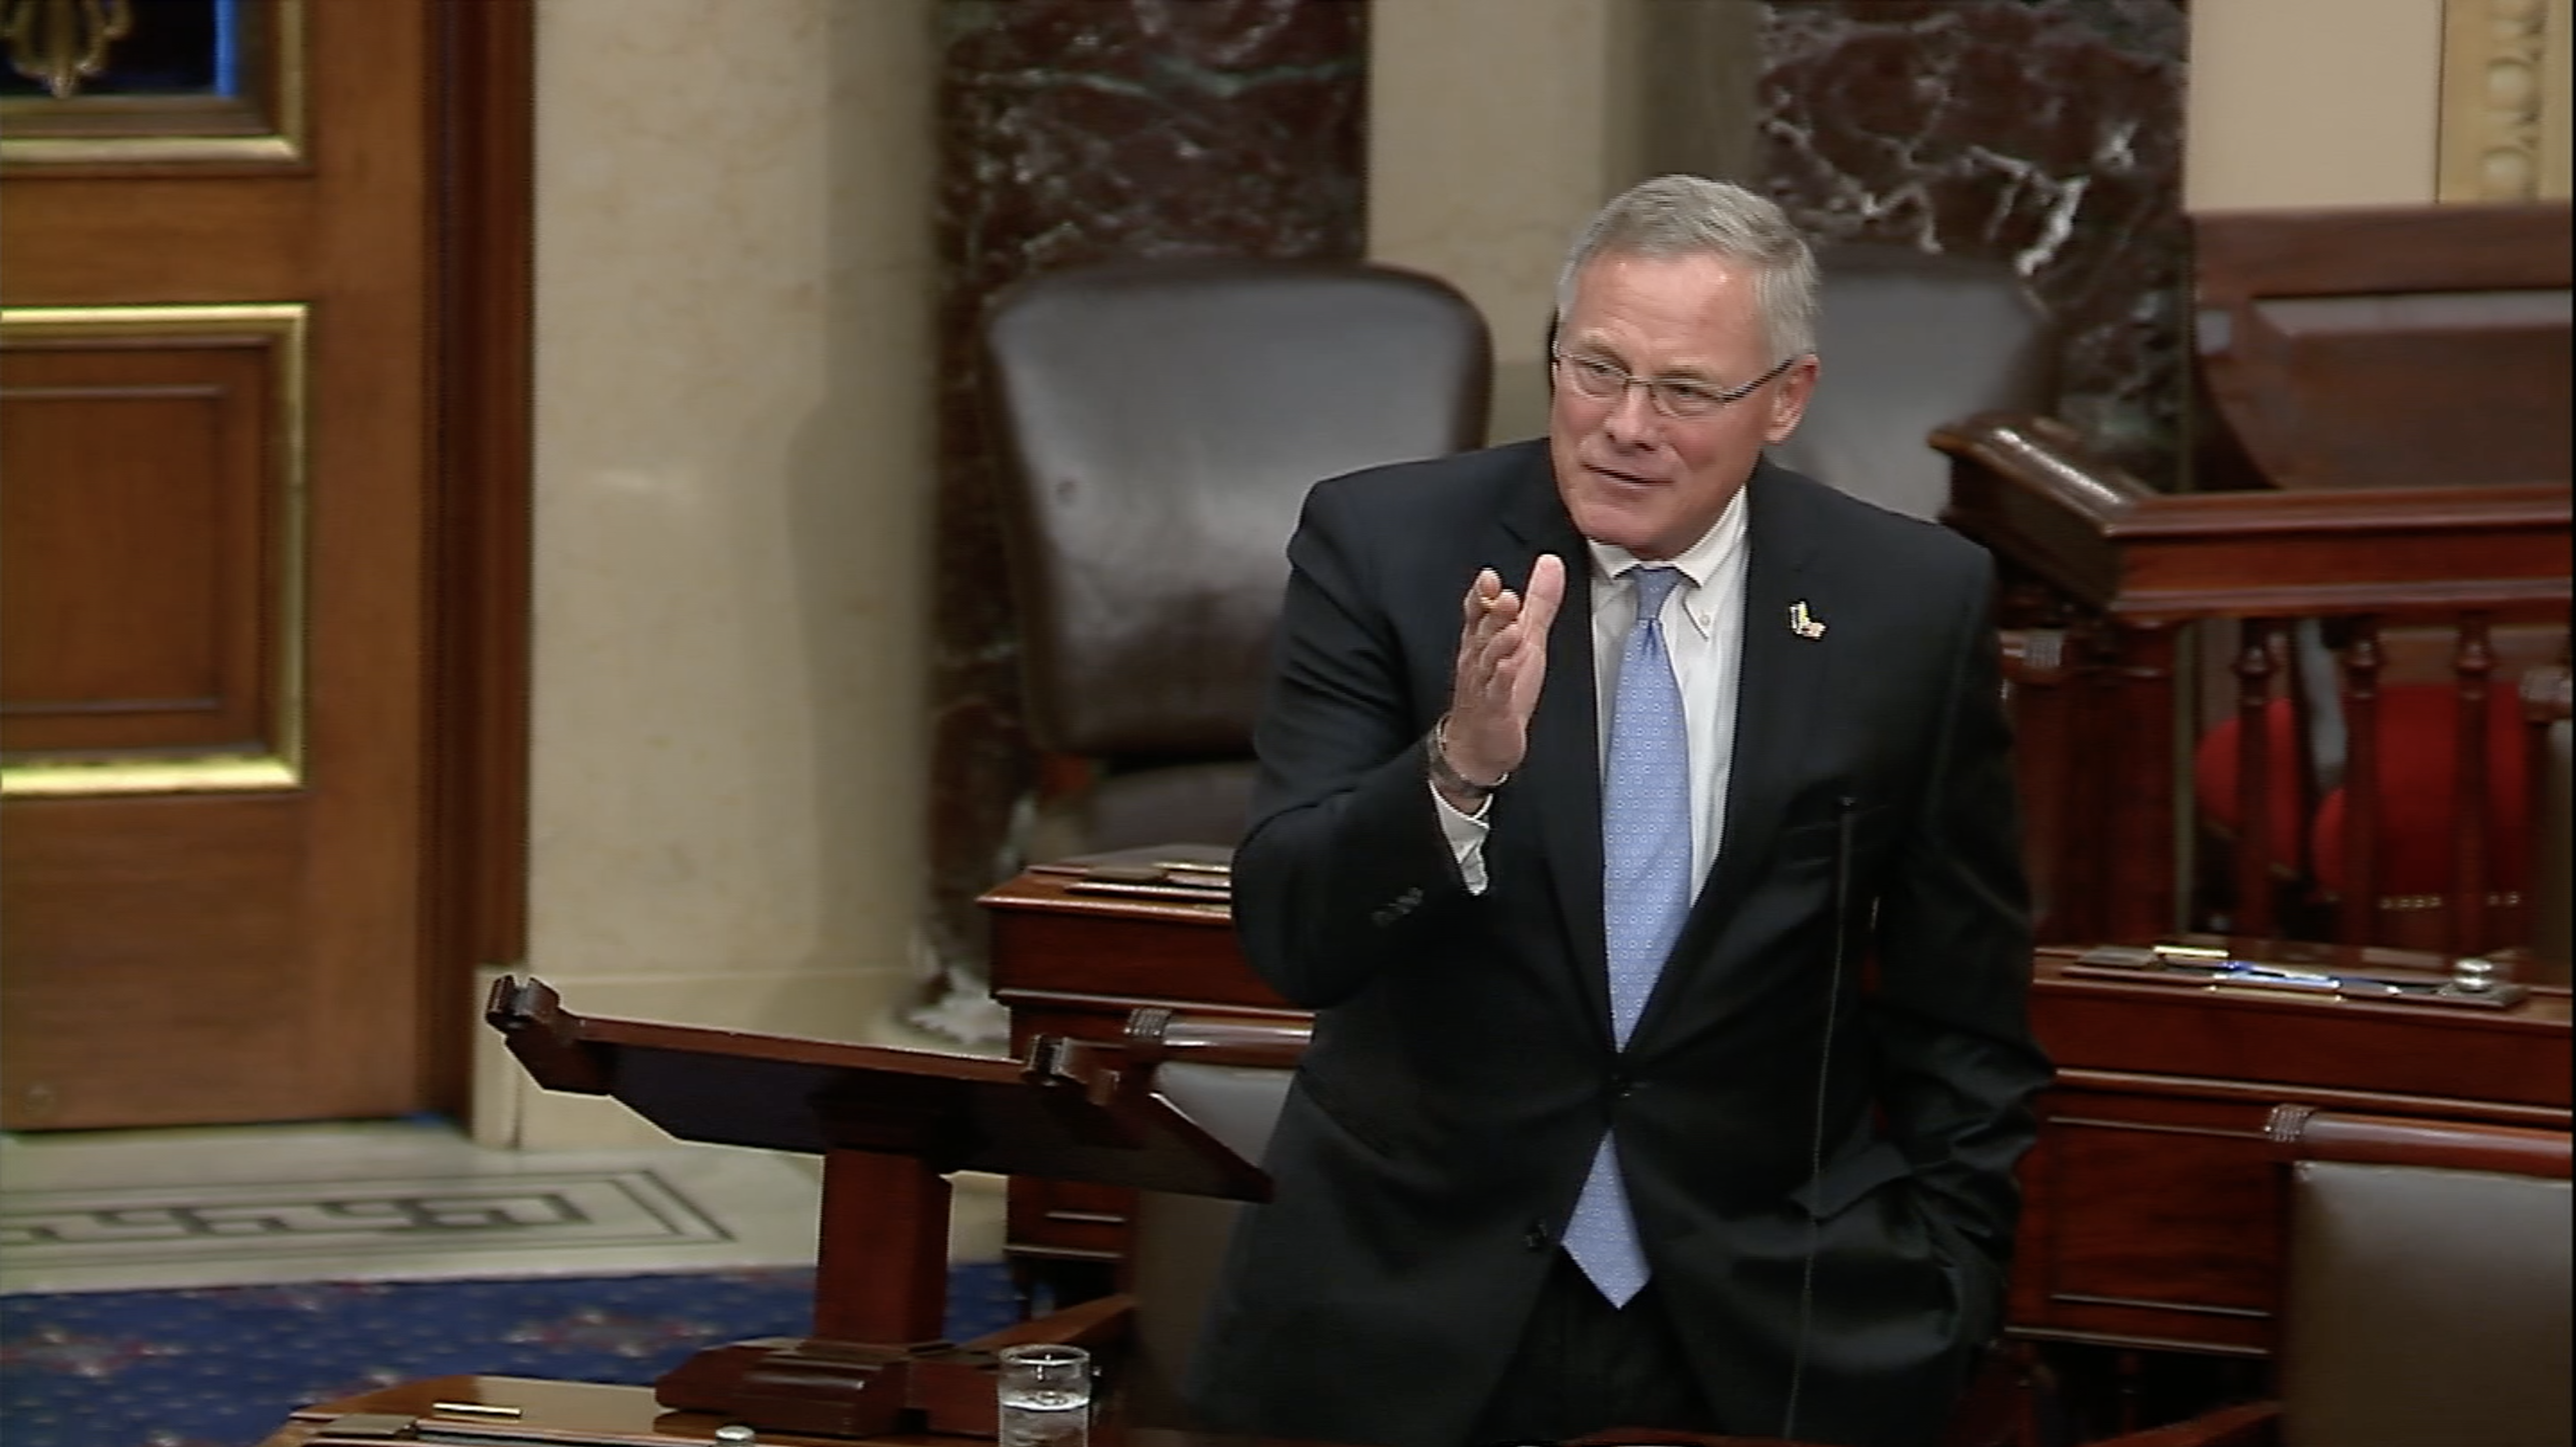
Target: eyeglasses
{"points": [[1679, 398]]}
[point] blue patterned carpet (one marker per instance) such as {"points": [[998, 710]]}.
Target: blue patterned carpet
{"points": [[222, 1366]]}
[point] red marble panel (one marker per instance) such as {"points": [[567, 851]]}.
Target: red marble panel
{"points": [[1074, 131], [2047, 132]]}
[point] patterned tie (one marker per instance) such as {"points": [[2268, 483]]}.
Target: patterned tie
{"points": [[1645, 892]]}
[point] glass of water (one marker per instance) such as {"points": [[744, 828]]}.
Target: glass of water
{"points": [[1046, 1396]]}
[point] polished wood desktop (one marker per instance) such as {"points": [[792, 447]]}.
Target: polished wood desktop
{"points": [[521, 1410], [2152, 1200]]}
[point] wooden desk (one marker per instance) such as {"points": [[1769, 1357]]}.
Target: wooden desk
{"points": [[1068, 963], [2152, 1214], [586, 1414], [592, 1415], [2152, 1207]]}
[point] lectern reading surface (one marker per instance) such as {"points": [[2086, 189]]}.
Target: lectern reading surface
{"points": [[889, 1125]]}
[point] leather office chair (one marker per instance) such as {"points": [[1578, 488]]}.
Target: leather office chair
{"points": [[1160, 423], [1910, 341], [1180, 1240], [2428, 1291]]}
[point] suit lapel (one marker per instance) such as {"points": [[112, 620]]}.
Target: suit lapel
{"points": [[1559, 781], [1781, 675], [1779, 679]]}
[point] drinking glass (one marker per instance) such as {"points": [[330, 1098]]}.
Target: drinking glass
{"points": [[1045, 1396]]}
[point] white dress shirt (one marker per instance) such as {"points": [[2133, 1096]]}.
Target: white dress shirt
{"points": [[1703, 623]]}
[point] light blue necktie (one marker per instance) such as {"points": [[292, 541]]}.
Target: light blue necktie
{"points": [[1645, 892]]}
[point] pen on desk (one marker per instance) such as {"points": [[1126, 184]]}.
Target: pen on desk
{"points": [[2247, 972], [2281, 977]]}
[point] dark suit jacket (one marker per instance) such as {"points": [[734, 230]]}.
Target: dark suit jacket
{"points": [[1462, 1068]]}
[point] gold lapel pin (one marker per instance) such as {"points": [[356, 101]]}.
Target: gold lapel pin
{"points": [[1803, 625]]}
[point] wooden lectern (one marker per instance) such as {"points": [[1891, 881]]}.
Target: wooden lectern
{"points": [[890, 1125]]}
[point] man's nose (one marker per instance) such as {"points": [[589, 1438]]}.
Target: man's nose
{"points": [[1632, 418]]}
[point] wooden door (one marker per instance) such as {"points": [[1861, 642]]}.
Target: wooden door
{"points": [[218, 611]]}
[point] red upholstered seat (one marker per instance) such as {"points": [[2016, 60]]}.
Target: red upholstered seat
{"points": [[2417, 764], [2213, 772], [2418, 768]]}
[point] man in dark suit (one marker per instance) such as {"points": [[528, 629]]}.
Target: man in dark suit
{"points": [[1670, 1060]]}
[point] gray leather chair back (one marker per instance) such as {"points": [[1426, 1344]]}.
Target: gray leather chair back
{"points": [[1161, 423], [1910, 341], [2425, 1305], [1180, 1240]]}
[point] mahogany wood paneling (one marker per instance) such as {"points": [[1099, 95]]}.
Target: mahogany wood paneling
{"points": [[2138, 717], [290, 987], [2344, 348], [143, 545], [103, 1024], [2362, 250], [242, 238], [2474, 580], [631, 1417], [480, 521], [1077, 965], [2116, 1182], [1100, 950], [2032, 490], [2151, 1212], [2431, 1053]]}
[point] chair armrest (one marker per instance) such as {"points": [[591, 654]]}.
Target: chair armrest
{"points": [[2251, 1424]]}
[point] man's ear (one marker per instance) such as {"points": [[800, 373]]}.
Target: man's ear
{"points": [[1789, 400]]}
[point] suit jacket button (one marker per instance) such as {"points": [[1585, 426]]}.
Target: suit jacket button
{"points": [[1537, 1239], [1622, 1085]]}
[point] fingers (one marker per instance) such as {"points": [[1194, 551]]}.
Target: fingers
{"points": [[1502, 659], [1486, 635], [1481, 595], [1546, 591], [1503, 634]]}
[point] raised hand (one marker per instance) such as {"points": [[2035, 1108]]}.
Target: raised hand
{"points": [[1502, 662]]}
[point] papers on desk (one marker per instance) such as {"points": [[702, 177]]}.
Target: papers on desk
{"points": [[2337, 972], [1193, 873]]}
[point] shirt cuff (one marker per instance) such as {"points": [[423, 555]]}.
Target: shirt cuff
{"points": [[1466, 834]]}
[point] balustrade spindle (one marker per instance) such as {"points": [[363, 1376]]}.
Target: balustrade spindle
{"points": [[2473, 665], [2356, 912], [2254, 674], [2036, 673], [2141, 903]]}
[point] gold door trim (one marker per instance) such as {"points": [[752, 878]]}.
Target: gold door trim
{"points": [[287, 325], [269, 130]]}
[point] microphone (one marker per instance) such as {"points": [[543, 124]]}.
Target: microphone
{"points": [[1846, 811]]}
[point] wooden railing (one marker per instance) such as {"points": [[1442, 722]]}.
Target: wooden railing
{"points": [[2106, 579]]}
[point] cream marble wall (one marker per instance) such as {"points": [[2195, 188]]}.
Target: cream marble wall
{"points": [[1495, 127], [733, 463], [2312, 103]]}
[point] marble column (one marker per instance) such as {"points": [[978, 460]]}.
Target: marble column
{"points": [[1074, 131], [2045, 132]]}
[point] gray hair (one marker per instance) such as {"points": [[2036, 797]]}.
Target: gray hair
{"points": [[1675, 216]]}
